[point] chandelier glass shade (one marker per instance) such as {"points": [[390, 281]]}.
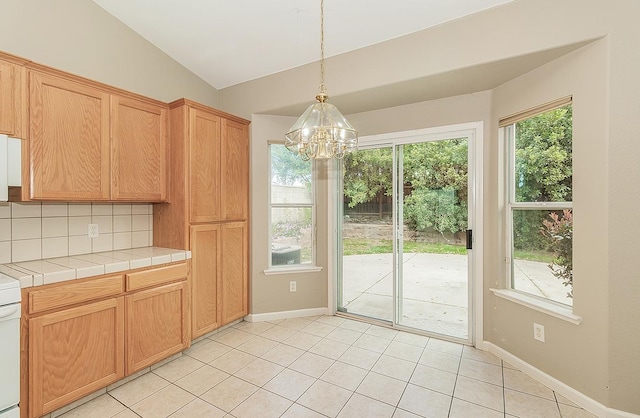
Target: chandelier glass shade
{"points": [[322, 132]]}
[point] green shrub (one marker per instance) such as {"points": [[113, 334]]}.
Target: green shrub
{"points": [[559, 231]]}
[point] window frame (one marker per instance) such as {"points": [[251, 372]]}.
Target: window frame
{"points": [[507, 143], [291, 268]]}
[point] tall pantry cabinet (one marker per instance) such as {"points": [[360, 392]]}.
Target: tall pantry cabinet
{"points": [[207, 210]]}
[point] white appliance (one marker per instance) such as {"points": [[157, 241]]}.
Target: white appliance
{"points": [[10, 165], [9, 347]]}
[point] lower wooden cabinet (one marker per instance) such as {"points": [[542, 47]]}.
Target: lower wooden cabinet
{"points": [[74, 352], [219, 278], [156, 324], [81, 336], [234, 271], [206, 303]]}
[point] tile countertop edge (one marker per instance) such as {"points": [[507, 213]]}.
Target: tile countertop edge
{"points": [[45, 271]]}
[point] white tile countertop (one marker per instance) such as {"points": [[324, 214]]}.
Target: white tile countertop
{"points": [[53, 270]]}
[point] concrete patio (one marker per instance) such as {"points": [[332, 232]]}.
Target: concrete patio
{"points": [[434, 290]]}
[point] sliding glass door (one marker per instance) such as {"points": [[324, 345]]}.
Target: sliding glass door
{"points": [[404, 217]]}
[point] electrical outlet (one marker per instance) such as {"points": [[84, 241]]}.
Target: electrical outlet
{"points": [[538, 332], [292, 286], [93, 231]]}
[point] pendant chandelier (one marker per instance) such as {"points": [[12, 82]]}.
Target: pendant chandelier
{"points": [[322, 132]]}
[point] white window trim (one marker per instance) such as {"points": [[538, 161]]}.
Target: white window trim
{"points": [[546, 306], [507, 204], [292, 268]]}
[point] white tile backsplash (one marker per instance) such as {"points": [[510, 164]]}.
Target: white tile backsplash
{"points": [[141, 209], [121, 240], [55, 209], [55, 247], [121, 223], [5, 210], [5, 252], [26, 249], [105, 223], [122, 208], [79, 209], [5, 229], [102, 243], [33, 231], [101, 209], [26, 210], [79, 225], [140, 239], [139, 222], [55, 227], [26, 228], [80, 245]]}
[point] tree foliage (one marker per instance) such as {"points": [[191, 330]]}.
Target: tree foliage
{"points": [[543, 171], [287, 168], [366, 174], [439, 209], [436, 173], [543, 157]]}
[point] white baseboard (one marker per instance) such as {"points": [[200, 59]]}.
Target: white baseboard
{"points": [[554, 384], [272, 316]]}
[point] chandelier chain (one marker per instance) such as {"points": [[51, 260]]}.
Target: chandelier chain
{"points": [[323, 89], [322, 132]]}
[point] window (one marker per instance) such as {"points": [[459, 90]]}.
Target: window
{"points": [[292, 216], [539, 224]]}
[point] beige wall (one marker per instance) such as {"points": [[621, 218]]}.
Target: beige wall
{"points": [[582, 74], [598, 357], [270, 293], [78, 36]]}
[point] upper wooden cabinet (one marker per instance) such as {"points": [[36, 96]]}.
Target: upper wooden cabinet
{"points": [[204, 167], [234, 171], [219, 167], [12, 100], [209, 170], [88, 143], [138, 150], [69, 139]]}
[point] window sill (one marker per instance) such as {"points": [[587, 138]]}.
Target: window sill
{"points": [[540, 305], [291, 270]]}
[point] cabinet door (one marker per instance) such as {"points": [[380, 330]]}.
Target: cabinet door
{"points": [[206, 308], [138, 150], [234, 274], [234, 171], [204, 169], [73, 353], [69, 139], [156, 325], [11, 100]]}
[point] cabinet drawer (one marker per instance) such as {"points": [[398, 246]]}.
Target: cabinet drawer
{"points": [[72, 293], [156, 277]]}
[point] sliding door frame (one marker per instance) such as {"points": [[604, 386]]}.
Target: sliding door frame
{"points": [[474, 132]]}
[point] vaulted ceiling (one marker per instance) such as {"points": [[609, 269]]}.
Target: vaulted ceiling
{"points": [[226, 42]]}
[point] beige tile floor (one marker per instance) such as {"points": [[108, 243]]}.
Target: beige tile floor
{"points": [[329, 366]]}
